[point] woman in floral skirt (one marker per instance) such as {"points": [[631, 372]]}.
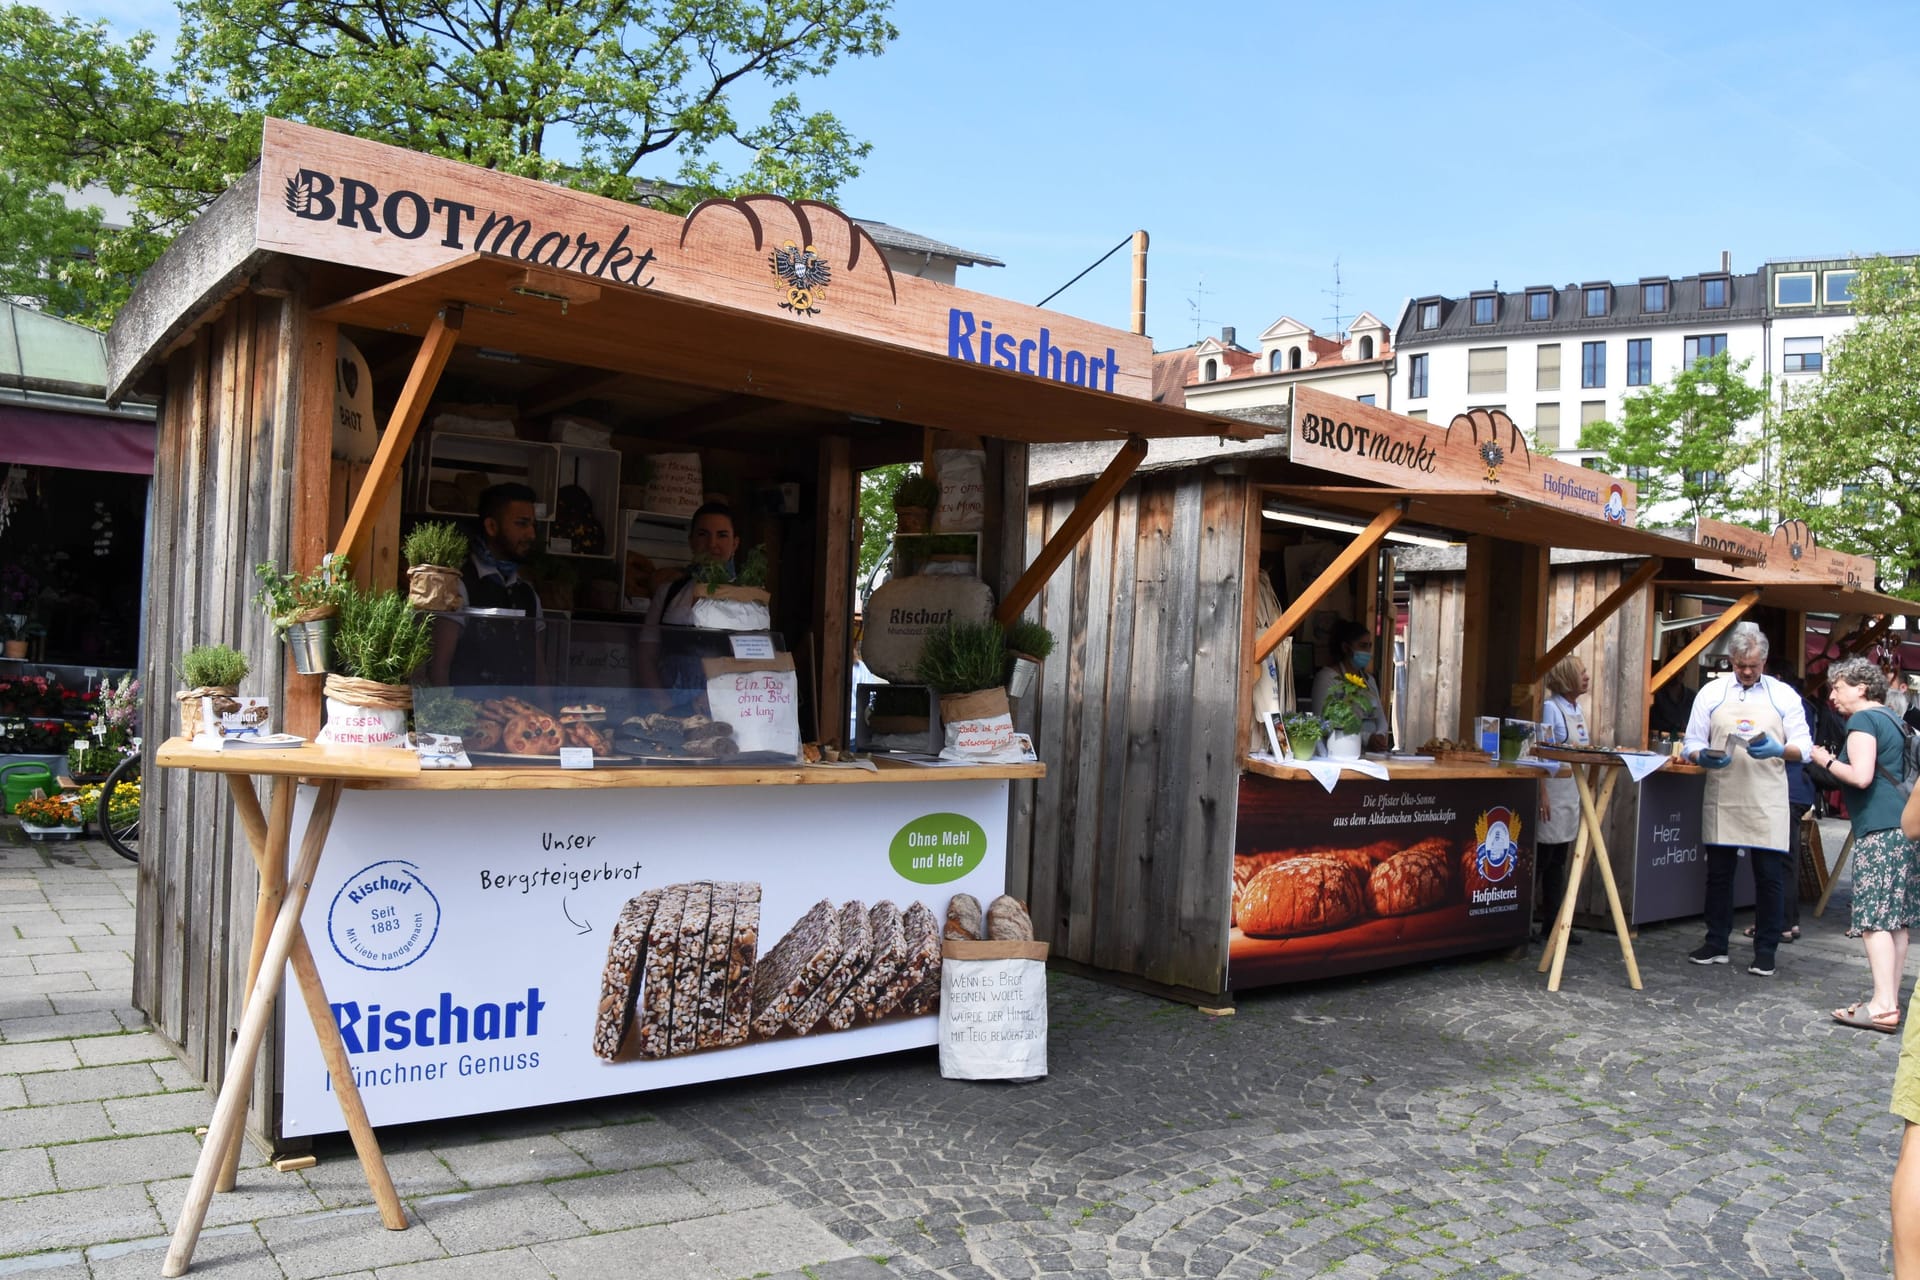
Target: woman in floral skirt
{"points": [[1886, 865]]}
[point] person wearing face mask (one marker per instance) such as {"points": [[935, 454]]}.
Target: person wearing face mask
{"points": [[711, 539], [1353, 655], [494, 651]]}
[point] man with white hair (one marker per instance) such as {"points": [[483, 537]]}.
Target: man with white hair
{"points": [[1743, 730]]}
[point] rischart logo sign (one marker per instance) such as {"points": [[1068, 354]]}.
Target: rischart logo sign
{"points": [[384, 917], [359, 205]]}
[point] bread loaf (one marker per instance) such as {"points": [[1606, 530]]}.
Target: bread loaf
{"points": [[1308, 894], [963, 918], [1416, 879], [1008, 921]]}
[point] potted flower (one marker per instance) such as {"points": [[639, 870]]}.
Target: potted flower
{"points": [[436, 552], [1303, 733], [209, 671], [43, 816], [914, 498], [302, 607], [1514, 737], [965, 663], [1347, 705], [379, 640], [1028, 644]]}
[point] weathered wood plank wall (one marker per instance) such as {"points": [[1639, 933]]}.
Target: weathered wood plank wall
{"points": [[1130, 863]]}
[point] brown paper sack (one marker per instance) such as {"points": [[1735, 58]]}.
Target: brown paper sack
{"points": [[433, 588], [978, 723]]}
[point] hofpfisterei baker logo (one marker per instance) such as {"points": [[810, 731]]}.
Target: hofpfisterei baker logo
{"points": [[1496, 852], [384, 917]]}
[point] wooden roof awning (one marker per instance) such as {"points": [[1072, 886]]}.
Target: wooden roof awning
{"points": [[1495, 515], [1800, 596], [562, 317]]}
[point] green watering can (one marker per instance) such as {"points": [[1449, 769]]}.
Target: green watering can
{"points": [[19, 781]]}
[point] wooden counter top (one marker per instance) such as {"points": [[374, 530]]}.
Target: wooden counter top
{"points": [[1400, 771], [389, 769]]}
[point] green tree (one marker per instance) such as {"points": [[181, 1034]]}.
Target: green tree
{"points": [[1856, 431], [1681, 441], [604, 95], [876, 516]]}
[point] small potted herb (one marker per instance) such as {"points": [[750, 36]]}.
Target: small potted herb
{"points": [[1303, 733], [379, 642], [302, 607], [914, 498], [436, 552], [1028, 644], [209, 671]]}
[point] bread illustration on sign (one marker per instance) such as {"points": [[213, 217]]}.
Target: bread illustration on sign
{"points": [[684, 974], [1293, 892]]}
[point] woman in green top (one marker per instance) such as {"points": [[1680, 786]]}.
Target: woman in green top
{"points": [[1886, 865]]}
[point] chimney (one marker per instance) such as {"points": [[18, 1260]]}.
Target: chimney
{"points": [[1726, 261], [1226, 335]]}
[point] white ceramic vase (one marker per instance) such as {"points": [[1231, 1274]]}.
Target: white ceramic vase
{"points": [[1344, 746]]}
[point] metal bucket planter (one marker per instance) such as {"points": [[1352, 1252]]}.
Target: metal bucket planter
{"points": [[1025, 671], [310, 643]]}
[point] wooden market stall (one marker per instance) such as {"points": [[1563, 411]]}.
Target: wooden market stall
{"points": [[1154, 817], [770, 338]]}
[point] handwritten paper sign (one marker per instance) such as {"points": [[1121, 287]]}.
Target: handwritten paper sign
{"points": [[675, 487], [759, 698]]}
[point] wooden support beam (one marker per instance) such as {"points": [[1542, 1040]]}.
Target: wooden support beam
{"points": [[1601, 612], [408, 410], [1708, 634], [1100, 493], [1298, 612]]}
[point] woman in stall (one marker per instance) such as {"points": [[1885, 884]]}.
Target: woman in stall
{"points": [[664, 663], [1563, 724], [1353, 655]]}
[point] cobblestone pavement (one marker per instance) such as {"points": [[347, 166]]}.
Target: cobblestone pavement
{"points": [[1443, 1120]]}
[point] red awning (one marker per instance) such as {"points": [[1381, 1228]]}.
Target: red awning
{"points": [[78, 441]]}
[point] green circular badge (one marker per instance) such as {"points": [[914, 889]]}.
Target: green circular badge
{"points": [[938, 848]]}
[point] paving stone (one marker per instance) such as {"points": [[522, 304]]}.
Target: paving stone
{"points": [[64, 1264], [326, 1244], [488, 1164], [503, 1264], [12, 1092], [634, 1145], [39, 1126], [124, 1160], [221, 1253], [754, 1240], [259, 1192], [25, 1172], [75, 1218], [638, 1197], [89, 1083], [48, 1025], [43, 1055], [338, 1181], [159, 1112], [498, 1218], [106, 1051], [644, 1253], [726, 1187]]}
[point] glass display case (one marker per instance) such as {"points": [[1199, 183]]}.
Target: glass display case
{"points": [[627, 693]]}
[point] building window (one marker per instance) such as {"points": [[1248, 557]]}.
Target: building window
{"points": [[1547, 377], [1366, 347], [1484, 308], [1839, 288], [1539, 305], [1366, 399], [1546, 426], [1429, 315], [1803, 356], [1715, 292], [1593, 364], [1273, 361], [1418, 415], [1416, 377], [1639, 362], [1486, 369], [1212, 371], [1793, 289], [1703, 346], [1293, 357], [1653, 297], [1592, 411], [1596, 300]]}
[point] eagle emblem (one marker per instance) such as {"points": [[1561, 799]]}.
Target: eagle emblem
{"points": [[803, 272], [1492, 455]]}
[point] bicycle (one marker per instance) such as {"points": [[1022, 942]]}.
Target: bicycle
{"points": [[120, 823]]}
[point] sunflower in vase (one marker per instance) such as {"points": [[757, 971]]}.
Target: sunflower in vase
{"points": [[1347, 706]]}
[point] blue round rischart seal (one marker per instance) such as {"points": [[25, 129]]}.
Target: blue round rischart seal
{"points": [[384, 917]]}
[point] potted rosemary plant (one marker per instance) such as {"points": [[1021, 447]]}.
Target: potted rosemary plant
{"points": [[435, 551], [914, 498], [378, 643], [965, 663]]}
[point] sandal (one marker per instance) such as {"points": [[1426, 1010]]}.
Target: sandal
{"points": [[1860, 1016], [1786, 935]]}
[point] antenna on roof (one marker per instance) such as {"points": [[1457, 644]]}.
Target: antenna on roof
{"points": [[1337, 318], [1194, 304]]}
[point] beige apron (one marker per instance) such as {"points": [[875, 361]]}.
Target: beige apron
{"points": [[1746, 801], [1562, 823]]}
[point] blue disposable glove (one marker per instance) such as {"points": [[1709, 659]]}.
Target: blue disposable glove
{"points": [[1707, 760], [1766, 747]]}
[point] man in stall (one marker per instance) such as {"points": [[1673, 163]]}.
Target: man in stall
{"points": [[504, 650], [1744, 730]]}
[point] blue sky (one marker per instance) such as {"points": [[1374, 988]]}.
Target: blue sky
{"points": [[1428, 148]]}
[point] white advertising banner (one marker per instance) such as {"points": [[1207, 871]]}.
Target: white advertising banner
{"points": [[485, 950]]}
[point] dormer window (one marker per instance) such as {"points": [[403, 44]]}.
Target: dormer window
{"points": [[1716, 293], [1653, 297], [1275, 361], [1293, 358], [1599, 299], [1539, 304], [1486, 306], [1430, 315]]}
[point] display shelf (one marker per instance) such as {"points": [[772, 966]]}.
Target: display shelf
{"points": [[597, 473], [459, 467]]}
